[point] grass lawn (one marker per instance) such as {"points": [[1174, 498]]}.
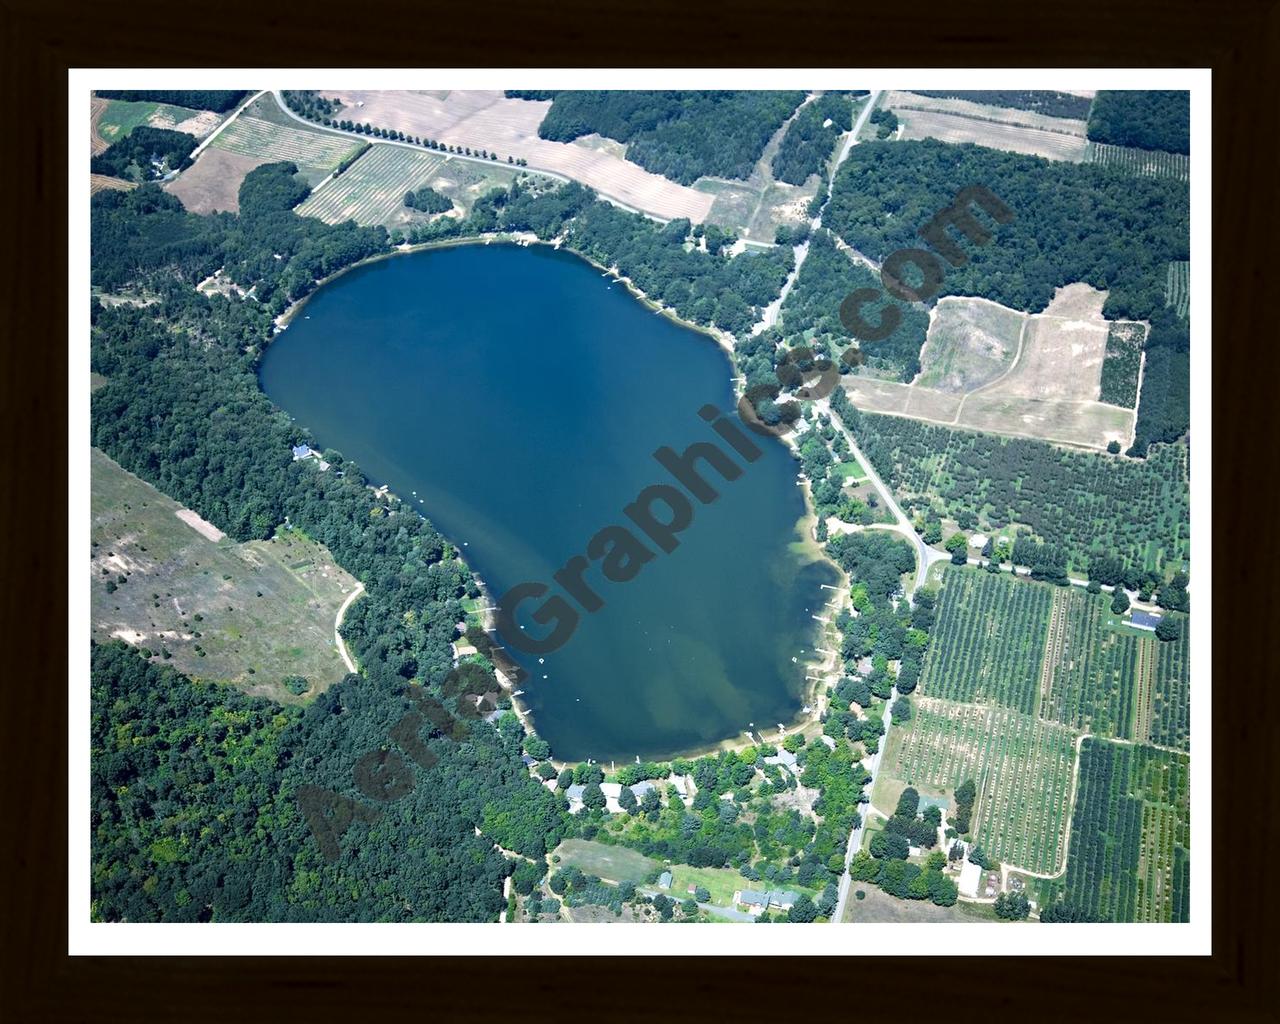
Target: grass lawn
{"points": [[615, 863], [878, 907], [720, 882], [123, 116], [850, 471]]}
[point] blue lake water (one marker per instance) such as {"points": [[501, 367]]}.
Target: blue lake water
{"points": [[522, 395]]}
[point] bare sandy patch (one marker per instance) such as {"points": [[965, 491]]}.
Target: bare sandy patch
{"points": [[1077, 302], [484, 119], [200, 125], [970, 342], [202, 526]]}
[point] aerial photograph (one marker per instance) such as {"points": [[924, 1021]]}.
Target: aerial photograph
{"points": [[619, 506]]}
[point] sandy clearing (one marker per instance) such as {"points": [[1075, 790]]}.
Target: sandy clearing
{"points": [[484, 119], [201, 526]]}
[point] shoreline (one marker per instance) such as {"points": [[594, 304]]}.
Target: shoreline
{"points": [[811, 690]]}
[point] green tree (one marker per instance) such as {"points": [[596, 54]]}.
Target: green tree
{"points": [[1119, 601], [593, 797], [803, 910], [1012, 906]]}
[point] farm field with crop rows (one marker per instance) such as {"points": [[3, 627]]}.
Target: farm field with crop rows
{"points": [[372, 190], [1177, 290], [989, 640], [1130, 834], [1148, 163], [315, 153], [1021, 765]]}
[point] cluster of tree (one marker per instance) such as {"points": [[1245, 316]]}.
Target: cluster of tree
{"points": [[1119, 383], [886, 122], [701, 287], [218, 100], [1012, 906], [146, 153], [1164, 407], [811, 137], [791, 234], [428, 200], [966, 793], [919, 828], [1087, 504], [1146, 119], [812, 308], [267, 248], [681, 135], [1072, 222], [1046, 560], [907, 881], [1038, 101], [310, 104]]}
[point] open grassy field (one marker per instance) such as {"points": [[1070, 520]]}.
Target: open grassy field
{"points": [[1022, 767], [970, 343], [372, 190], [722, 883], [1177, 289], [988, 641], [1130, 834], [247, 614], [1017, 131], [1049, 387], [613, 863], [485, 119], [1149, 163]]}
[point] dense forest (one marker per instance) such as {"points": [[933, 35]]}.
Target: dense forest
{"points": [[1146, 119], [810, 139], [812, 309], [146, 153], [1164, 407], [1083, 503], [220, 100], [182, 409], [682, 135], [427, 200], [1072, 222], [1038, 101]]}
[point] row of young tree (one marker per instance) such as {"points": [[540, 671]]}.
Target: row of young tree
{"points": [[217, 100]]}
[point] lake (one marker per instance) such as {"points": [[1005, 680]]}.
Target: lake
{"points": [[521, 395]]}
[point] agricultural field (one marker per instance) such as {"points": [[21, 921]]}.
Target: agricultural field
{"points": [[1123, 361], [1147, 163], [1136, 509], [970, 343], [372, 190], [614, 863], [1130, 834], [991, 368], [119, 117], [1017, 131], [266, 134], [101, 182], [484, 119], [1177, 290], [1098, 676], [1021, 765], [1169, 714], [212, 183], [97, 107], [250, 614], [988, 640]]}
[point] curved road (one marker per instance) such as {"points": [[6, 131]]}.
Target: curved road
{"points": [[337, 624]]}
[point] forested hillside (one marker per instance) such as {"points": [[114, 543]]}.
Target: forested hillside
{"points": [[680, 134]]}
